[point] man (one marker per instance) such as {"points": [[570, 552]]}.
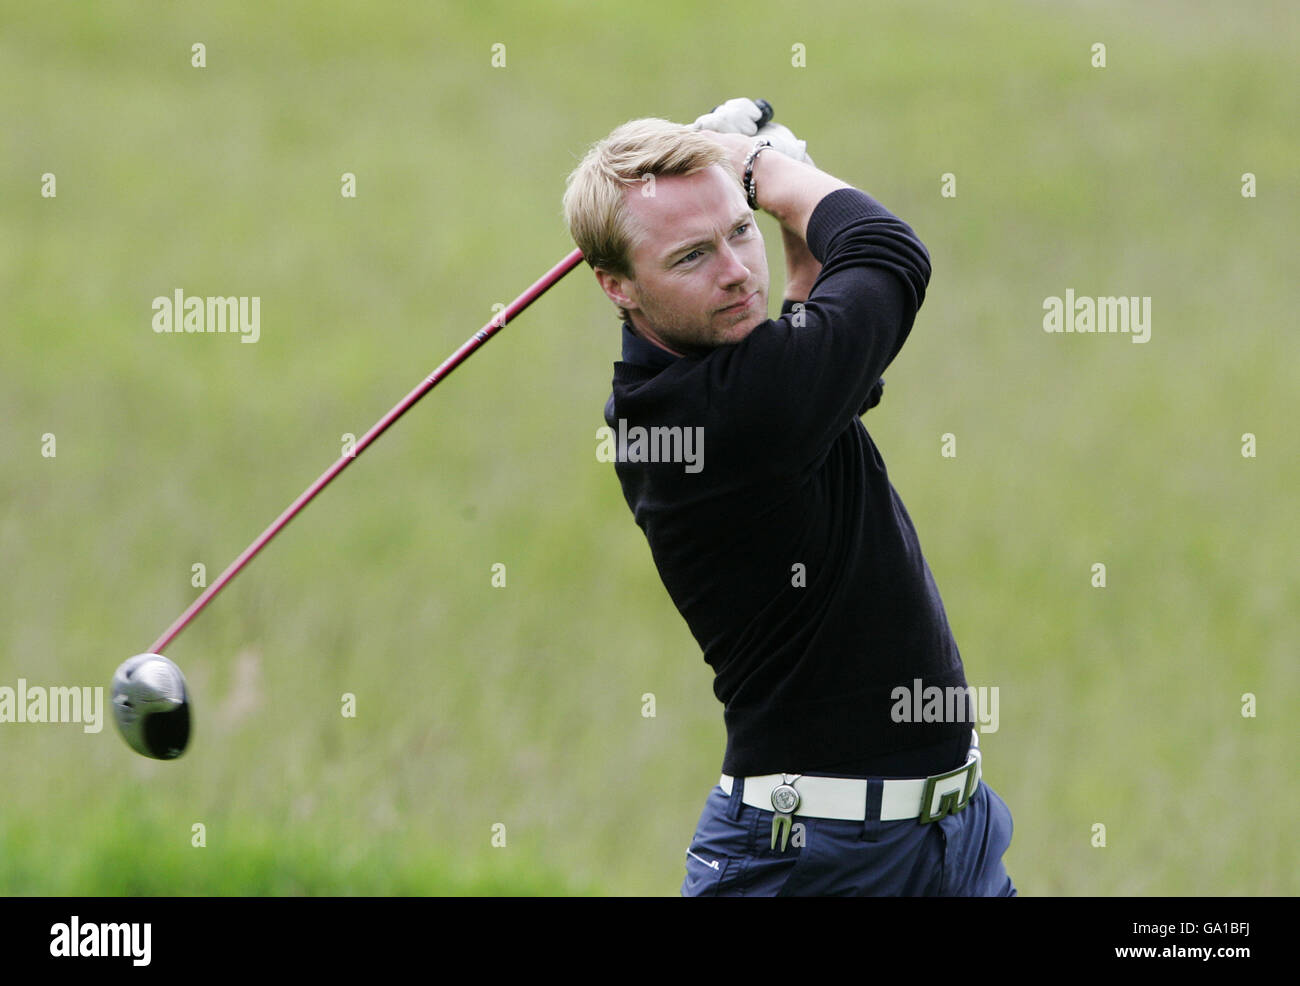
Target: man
{"points": [[770, 515]]}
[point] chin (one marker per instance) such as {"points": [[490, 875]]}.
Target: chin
{"points": [[746, 326]]}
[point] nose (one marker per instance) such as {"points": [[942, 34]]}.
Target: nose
{"points": [[733, 270]]}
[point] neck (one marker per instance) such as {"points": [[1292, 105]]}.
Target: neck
{"points": [[649, 335]]}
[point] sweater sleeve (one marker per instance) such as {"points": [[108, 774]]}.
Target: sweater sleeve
{"points": [[795, 382]]}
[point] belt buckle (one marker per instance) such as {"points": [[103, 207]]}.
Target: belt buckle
{"points": [[952, 790]]}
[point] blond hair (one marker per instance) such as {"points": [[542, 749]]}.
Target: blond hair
{"points": [[594, 204]]}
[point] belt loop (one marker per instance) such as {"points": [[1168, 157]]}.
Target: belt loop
{"points": [[737, 802], [871, 823]]}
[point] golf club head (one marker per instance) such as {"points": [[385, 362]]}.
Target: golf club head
{"points": [[151, 706]]}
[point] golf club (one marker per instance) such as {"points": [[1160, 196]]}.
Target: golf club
{"points": [[151, 704]]}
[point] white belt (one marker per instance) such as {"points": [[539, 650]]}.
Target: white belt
{"points": [[845, 798]]}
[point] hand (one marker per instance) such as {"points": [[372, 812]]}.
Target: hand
{"points": [[741, 116], [784, 141], [735, 116]]}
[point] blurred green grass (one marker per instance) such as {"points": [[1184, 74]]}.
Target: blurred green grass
{"points": [[521, 706]]}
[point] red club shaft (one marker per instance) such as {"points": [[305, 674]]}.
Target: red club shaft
{"points": [[494, 326]]}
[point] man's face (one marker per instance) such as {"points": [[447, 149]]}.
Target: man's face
{"points": [[696, 252]]}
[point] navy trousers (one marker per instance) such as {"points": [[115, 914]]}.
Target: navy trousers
{"points": [[960, 855]]}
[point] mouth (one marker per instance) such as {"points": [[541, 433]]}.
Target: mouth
{"points": [[741, 305]]}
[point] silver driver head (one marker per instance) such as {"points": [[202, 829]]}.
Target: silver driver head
{"points": [[151, 706]]}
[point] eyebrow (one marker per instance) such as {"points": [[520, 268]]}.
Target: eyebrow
{"points": [[705, 241]]}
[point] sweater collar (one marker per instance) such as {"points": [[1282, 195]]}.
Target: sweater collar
{"points": [[643, 352]]}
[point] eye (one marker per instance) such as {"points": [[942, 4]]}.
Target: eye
{"points": [[688, 256], [743, 228]]}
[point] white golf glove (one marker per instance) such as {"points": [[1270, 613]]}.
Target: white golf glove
{"points": [[741, 116], [785, 141], [735, 116]]}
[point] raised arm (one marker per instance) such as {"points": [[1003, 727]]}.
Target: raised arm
{"points": [[788, 190], [801, 267], [806, 377]]}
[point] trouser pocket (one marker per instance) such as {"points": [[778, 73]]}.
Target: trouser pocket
{"points": [[706, 872], [974, 840]]}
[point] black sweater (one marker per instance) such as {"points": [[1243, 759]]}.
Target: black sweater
{"points": [[789, 477]]}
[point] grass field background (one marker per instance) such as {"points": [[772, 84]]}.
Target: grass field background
{"points": [[521, 706]]}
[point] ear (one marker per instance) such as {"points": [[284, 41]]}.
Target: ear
{"points": [[620, 290]]}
